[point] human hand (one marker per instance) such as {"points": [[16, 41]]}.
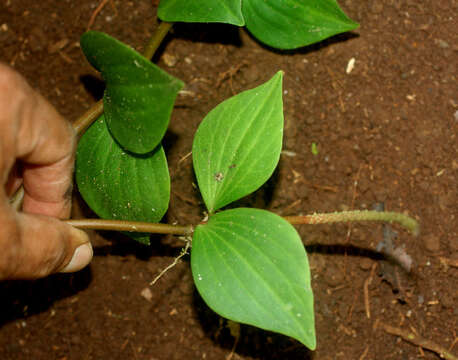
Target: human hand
{"points": [[37, 149]]}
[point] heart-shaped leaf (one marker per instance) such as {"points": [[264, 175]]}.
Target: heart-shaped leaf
{"points": [[237, 146], [222, 11], [250, 266], [289, 24], [139, 96], [120, 185]]}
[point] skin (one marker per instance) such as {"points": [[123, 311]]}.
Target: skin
{"points": [[37, 149]]}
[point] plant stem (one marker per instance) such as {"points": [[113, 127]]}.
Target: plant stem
{"points": [[131, 226], [156, 228], [85, 120], [418, 340], [357, 215], [156, 39]]}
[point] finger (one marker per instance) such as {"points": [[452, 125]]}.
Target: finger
{"points": [[35, 246], [14, 181], [48, 189], [33, 131]]}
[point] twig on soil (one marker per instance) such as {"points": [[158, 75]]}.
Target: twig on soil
{"points": [[448, 262], [183, 252], [97, 11], [234, 329], [419, 341], [134, 351], [229, 74], [352, 307], [292, 205], [318, 187], [365, 352], [183, 158], [453, 343], [367, 282]]}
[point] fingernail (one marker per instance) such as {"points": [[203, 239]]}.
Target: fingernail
{"points": [[81, 257]]}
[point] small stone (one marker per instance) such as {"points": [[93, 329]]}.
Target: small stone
{"points": [[57, 46], [169, 59], [442, 43], [147, 294], [431, 243]]}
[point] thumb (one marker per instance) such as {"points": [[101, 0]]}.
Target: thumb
{"points": [[35, 246]]}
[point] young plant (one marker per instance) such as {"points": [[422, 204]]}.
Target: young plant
{"points": [[249, 265]]}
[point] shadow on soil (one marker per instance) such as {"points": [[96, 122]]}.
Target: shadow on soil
{"points": [[253, 342], [21, 299]]}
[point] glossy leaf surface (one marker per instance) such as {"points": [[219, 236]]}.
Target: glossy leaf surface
{"points": [[250, 266], [222, 11], [139, 96], [289, 24], [120, 185], [237, 146]]}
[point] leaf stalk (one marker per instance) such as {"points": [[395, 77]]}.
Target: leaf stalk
{"points": [[131, 226]]}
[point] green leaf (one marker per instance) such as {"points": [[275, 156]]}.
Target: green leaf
{"points": [[139, 96], [289, 24], [222, 11], [237, 146], [120, 185], [250, 266]]}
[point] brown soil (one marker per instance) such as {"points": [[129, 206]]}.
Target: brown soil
{"points": [[386, 133]]}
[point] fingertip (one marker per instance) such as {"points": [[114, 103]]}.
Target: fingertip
{"points": [[83, 253], [80, 259], [34, 246]]}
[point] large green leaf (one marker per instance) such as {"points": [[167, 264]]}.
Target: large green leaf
{"points": [[289, 24], [237, 146], [222, 11], [139, 96], [250, 266], [120, 185]]}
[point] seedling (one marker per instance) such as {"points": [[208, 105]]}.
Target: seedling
{"points": [[249, 265]]}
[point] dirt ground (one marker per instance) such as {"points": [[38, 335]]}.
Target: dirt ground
{"points": [[386, 133]]}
